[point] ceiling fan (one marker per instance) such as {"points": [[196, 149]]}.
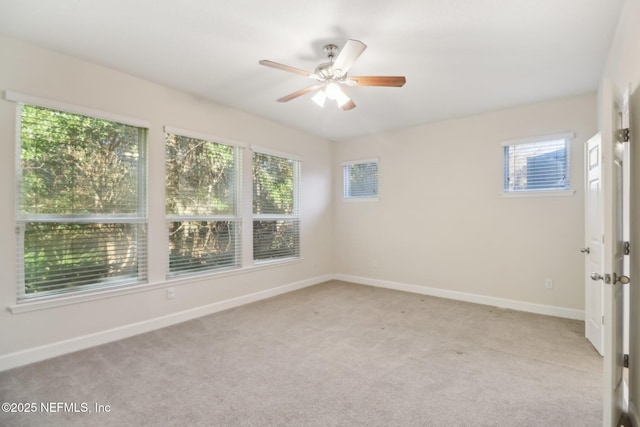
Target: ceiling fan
{"points": [[332, 76]]}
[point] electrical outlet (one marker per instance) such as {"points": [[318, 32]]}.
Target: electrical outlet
{"points": [[548, 283], [171, 293]]}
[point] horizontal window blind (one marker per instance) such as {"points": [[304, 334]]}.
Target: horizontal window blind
{"points": [[202, 204], [275, 239], [535, 166], [64, 257], [81, 203], [196, 246], [360, 179], [276, 219]]}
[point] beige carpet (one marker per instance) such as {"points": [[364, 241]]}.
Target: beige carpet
{"points": [[335, 354]]}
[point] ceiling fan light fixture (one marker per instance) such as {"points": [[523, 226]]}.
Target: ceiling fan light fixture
{"points": [[319, 98], [333, 91], [331, 76], [342, 98]]}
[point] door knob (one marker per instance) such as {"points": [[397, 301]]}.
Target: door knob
{"points": [[611, 279], [585, 250], [623, 280]]}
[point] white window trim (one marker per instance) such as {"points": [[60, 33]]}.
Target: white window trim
{"points": [[276, 217], [203, 136], [92, 295], [238, 218], [22, 98], [357, 162], [276, 153], [529, 140], [538, 193], [143, 218]]}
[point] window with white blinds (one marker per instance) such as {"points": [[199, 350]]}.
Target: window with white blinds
{"points": [[537, 165], [360, 179], [202, 204], [276, 218], [81, 203]]}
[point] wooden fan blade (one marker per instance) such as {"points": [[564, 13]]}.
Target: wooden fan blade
{"points": [[348, 55], [298, 93], [288, 68], [350, 105], [393, 81]]}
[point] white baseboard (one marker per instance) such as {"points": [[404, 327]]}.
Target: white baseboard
{"points": [[549, 310], [36, 354]]}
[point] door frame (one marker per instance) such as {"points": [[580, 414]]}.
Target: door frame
{"points": [[615, 400]]}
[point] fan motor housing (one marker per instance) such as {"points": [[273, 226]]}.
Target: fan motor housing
{"points": [[330, 50], [325, 70]]}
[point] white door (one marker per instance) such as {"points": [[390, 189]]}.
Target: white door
{"points": [[594, 222], [613, 173]]}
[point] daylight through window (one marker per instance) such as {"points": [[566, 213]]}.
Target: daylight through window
{"points": [[537, 166], [276, 220], [81, 211], [360, 179], [202, 204]]}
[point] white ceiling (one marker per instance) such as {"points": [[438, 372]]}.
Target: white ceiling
{"points": [[460, 57]]}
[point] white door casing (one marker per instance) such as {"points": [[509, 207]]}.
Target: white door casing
{"points": [[633, 111], [623, 149], [613, 172]]}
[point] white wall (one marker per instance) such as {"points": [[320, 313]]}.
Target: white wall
{"points": [[46, 74], [623, 68], [441, 225], [623, 59]]}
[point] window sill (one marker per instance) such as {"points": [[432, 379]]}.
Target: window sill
{"points": [[538, 193], [53, 302], [360, 199]]}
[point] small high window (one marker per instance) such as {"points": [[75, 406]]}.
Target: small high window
{"points": [[537, 165], [360, 179]]}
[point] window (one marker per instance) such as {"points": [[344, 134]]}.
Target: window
{"points": [[276, 221], [81, 203], [535, 165], [202, 179], [360, 179]]}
